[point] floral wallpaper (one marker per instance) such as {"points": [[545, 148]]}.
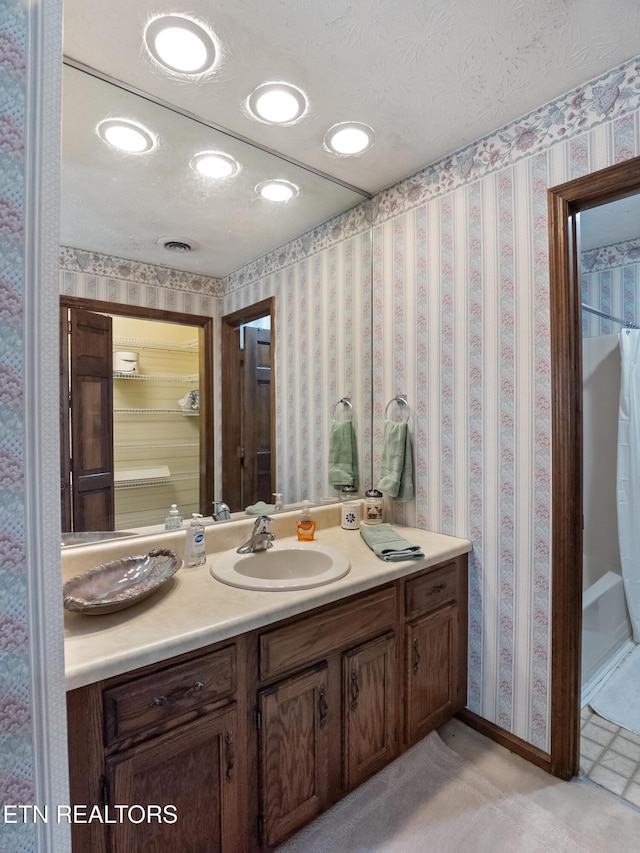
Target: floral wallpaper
{"points": [[16, 732]]}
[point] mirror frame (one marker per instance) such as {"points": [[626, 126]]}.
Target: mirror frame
{"points": [[205, 324]]}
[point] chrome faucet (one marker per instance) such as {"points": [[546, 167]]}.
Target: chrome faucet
{"points": [[261, 537], [221, 511]]}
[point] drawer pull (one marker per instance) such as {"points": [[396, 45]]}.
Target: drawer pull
{"points": [[416, 655], [355, 690], [438, 588], [323, 707], [231, 755], [160, 701]]}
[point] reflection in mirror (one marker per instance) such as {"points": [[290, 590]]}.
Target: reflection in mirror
{"points": [[119, 212], [135, 415], [130, 205], [248, 339]]}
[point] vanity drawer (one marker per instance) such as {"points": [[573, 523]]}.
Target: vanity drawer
{"points": [[313, 637], [431, 590], [155, 699]]}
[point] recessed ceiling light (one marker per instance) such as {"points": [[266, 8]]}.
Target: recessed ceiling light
{"points": [[277, 103], [349, 137], [214, 164], [126, 135], [277, 190], [180, 44]]}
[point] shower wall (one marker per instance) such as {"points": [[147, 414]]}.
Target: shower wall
{"points": [[601, 390]]}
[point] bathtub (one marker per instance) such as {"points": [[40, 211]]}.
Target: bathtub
{"points": [[606, 630]]}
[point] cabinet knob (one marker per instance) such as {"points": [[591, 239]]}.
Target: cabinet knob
{"points": [[355, 690], [416, 655], [231, 755], [323, 707]]}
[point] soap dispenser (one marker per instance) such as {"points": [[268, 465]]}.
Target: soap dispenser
{"points": [[305, 525], [174, 520], [195, 553]]}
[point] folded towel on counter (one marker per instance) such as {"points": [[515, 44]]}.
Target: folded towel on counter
{"points": [[343, 455], [396, 464], [261, 508], [389, 545]]}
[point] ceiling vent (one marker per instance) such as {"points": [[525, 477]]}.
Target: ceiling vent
{"points": [[172, 245]]}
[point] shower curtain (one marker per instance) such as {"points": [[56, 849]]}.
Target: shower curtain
{"points": [[628, 475]]}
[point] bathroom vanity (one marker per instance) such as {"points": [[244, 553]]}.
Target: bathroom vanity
{"points": [[249, 713]]}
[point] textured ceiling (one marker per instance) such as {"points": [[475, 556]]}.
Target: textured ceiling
{"points": [[429, 77]]}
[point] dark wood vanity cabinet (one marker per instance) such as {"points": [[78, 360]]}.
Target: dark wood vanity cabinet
{"points": [[331, 722], [165, 742], [435, 648], [251, 739]]}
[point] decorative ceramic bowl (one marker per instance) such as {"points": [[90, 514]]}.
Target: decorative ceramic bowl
{"points": [[121, 583]]}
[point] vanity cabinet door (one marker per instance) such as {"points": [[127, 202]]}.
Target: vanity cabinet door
{"points": [[293, 753], [191, 769], [369, 709], [432, 681]]}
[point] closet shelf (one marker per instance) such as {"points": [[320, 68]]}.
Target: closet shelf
{"points": [[148, 377], [142, 343], [156, 412], [160, 481], [151, 447]]}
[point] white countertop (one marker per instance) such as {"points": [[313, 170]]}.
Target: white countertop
{"points": [[193, 609]]}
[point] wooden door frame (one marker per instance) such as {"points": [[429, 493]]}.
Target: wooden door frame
{"points": [[206, 374], [566, 449], [230, 403]]}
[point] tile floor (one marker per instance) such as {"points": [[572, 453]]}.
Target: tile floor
{"points": [[610, 756]]}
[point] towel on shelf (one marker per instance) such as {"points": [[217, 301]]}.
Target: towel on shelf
{"points": [[389, 545], [261, 508], [396, 465], [343, 455]]}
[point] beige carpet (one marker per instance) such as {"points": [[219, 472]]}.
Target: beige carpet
{"points": [[432, 800]]}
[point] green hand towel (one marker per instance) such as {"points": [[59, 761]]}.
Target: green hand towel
{"points": [[389, 545], [396, 464], [343, 455], [261, 508]]}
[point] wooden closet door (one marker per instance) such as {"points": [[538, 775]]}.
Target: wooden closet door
{"points": [[91, 403]]}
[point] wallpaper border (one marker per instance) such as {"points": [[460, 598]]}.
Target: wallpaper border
{"points": [[603, 258], [609, 96], [111, 266]]}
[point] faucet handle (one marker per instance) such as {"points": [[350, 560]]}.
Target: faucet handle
{"points": [[221, 511], [262, 523]]}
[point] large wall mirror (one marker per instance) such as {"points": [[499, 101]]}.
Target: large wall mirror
{"points": [[131, 207]]}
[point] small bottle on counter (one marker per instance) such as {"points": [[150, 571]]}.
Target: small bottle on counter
{"points": [[195, 553], [305, 525], [174, 520], [277, 501], [373, 504]]}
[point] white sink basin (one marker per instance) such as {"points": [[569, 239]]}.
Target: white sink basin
{"points": [[300, 566]]}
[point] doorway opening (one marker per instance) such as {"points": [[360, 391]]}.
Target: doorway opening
{"points": [[565, 204], [248, 406]]}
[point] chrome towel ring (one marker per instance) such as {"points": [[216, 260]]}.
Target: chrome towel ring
{"points": [[348, 409], [401, 400]]}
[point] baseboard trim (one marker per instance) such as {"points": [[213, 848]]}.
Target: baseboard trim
{"points": [[510, 741]]}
